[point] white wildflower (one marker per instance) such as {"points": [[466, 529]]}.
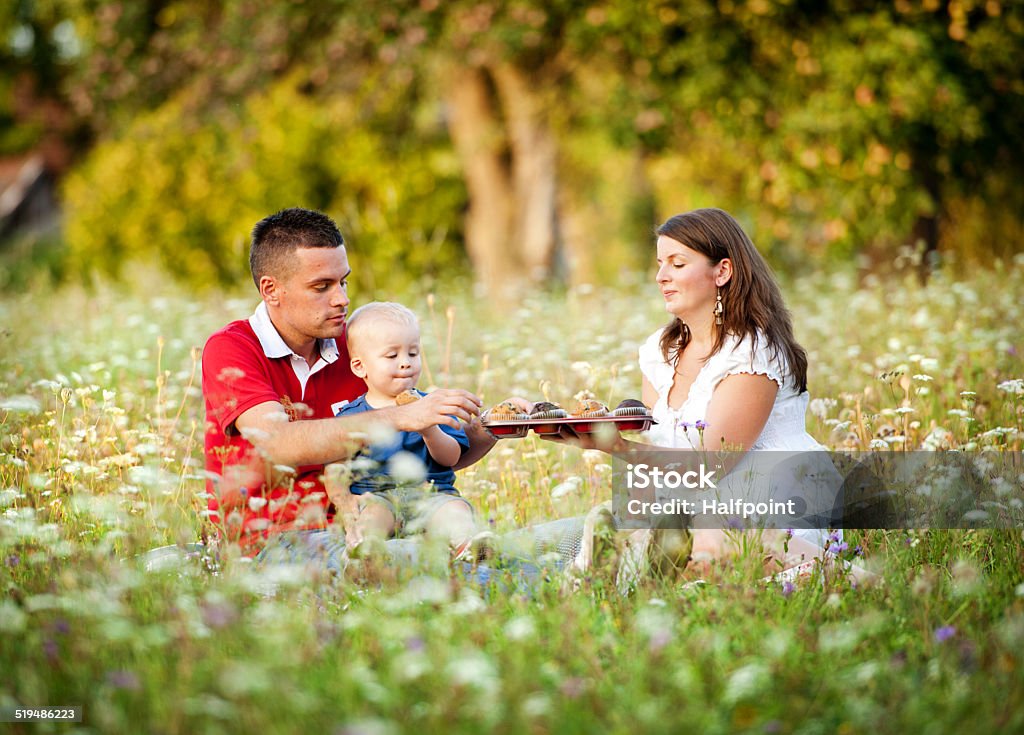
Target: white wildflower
{"points": [[1016, 387], [21, 404], [406, 467], [562, 489], [520, 628]]}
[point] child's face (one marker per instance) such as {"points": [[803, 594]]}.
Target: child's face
{"points": [[387, 357]]}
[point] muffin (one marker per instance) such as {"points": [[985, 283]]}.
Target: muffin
{"points": [[589, 408], [408, 396], [547, 410], [631, 407], [505, 411]]}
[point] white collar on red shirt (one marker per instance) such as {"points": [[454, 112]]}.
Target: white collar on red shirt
{"points": [[274, 346]]}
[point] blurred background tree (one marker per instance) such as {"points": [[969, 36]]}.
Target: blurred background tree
{"points": [[522, 141]]}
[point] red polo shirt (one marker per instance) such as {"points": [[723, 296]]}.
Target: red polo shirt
{"points": [[247, 363]]}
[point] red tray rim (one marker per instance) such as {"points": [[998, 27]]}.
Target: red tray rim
{"points": [[529, 423]]}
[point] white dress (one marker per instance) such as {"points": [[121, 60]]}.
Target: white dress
{"points": [[784, 432], [786, 428]]}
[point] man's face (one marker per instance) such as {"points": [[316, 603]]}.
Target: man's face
{"points": [[310, 300]]}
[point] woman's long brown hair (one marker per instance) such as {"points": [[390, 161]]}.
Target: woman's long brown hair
{"points": [[751, 299]]}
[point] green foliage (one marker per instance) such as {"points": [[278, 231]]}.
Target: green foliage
{"points": [[830, 129], [838, 127], [188, 188]]}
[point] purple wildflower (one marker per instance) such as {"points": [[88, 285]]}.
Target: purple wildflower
{"points": [[415, 644], [659, 640], [573, 687], [700, 425], [51, 650], [787, 588], [735, 523], [13, 560], [124, 680], [944, 633], [838, 548], [685, 425], [789, 533], [858, 550], [218, 614], [834, 537]]}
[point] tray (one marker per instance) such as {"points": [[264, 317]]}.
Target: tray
{"points": [[585, 425]]}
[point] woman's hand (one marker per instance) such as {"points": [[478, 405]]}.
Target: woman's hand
{"points": [[605, 438]]}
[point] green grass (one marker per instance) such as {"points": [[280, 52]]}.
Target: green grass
{"points": [[100, 458]]}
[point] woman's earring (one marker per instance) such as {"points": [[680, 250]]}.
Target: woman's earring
{"points": [[719, 309]]}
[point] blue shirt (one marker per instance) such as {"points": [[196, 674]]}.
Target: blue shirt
{"points": [[377, 480]]}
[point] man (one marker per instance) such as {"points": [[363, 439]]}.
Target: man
{"points": [[273, 382]]}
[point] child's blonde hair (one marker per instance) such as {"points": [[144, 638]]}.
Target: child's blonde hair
{"points": [[366, 314]]}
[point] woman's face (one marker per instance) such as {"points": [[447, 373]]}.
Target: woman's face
{"points": [[687, 280]]}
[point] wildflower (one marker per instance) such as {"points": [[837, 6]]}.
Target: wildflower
{"points": [[570, 486], [820, 406], [1016, 387], [944, 633], [407, 467], [124, 680], [838, 548], [581, 368], [858, 550], [700, 425], [218, 612], [230, 374], [787, 588], [573, 687], [21, 404]]}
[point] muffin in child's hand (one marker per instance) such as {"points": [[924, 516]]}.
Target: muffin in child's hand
{"points": [[406, 397]]}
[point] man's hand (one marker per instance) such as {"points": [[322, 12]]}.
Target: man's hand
{"points": [[443, 406]]}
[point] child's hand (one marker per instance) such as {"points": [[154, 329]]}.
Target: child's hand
{"points": [[442, 406]]}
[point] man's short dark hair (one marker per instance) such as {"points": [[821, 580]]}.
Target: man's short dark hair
{"points": [[276, 237]]}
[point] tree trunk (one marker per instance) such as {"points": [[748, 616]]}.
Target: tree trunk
{"points": [[509, 157], [534, 170], [480, 143]]}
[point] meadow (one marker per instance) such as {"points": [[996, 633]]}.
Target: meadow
{"points": [[101, 425]]}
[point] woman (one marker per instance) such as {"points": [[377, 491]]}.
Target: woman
{"points": [[726, 373]]}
